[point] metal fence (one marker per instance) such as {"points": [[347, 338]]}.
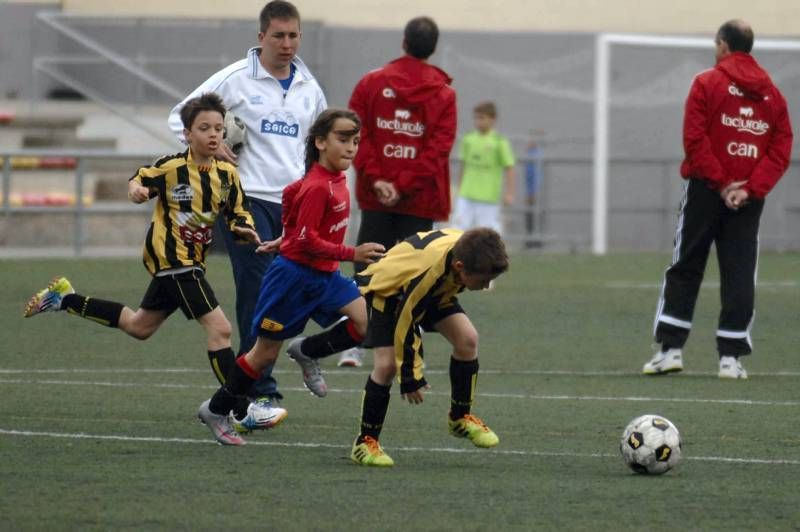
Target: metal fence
{"points": [[644, 196]]}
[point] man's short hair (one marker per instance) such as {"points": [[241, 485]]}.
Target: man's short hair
{"points": [[279, 9], [421, 35], [737, 35], [208, 101], [486, 108], [482, 251]]}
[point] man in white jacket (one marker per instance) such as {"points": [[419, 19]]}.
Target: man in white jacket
{"points": [[278, 99]]}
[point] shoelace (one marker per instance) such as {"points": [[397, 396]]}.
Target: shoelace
{"points": [[373, 445], [477, 421]]}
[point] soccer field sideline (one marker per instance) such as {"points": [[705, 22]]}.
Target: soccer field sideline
{"points": [[547, 397], [365, 372], [500, 452]]}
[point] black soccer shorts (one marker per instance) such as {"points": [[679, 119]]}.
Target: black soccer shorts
{"points": [[188, 291]]}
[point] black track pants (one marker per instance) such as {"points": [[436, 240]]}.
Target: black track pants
{"points": [[704, 219]]}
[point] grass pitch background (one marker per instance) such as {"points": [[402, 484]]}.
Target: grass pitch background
{"points": [[98, 431]]}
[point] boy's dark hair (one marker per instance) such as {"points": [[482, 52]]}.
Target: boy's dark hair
{"points": [[209, 101], [482, 251], [486, 108], [421, 35], [279, 9], [322, 126], [738, 35]]}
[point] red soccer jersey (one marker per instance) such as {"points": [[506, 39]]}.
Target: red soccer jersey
{"points": [[408, 115], [315, 213], [736, 127]]}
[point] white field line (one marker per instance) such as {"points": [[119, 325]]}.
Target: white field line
{"points": [[365, 372], [449, 450], [706, 284], [535, 397]]}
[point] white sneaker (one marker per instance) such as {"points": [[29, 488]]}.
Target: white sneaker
{"points": [[352, 358], [661, 363], [731, 368], [312, 374]]}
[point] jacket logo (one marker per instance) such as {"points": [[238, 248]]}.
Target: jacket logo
{"points": [[256, 99], [399, 151], [742, 149], [745, 125], [402, 114], [746, 111], [283, 124], [182, 193], [388, 93], [733, 90], [401, 126]]}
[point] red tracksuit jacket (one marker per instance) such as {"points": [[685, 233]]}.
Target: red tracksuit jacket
{"points": [[736, 127], [315, 212], [408, 114]]}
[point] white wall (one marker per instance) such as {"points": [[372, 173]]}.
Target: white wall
{"points": [[768, 17]]}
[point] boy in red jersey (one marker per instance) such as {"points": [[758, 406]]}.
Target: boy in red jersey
{"points": [[304, 281]]}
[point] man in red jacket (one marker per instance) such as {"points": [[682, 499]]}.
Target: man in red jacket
{"points": [[408, 112], [737, 139]]}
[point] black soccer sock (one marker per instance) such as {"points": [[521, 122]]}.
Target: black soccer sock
{"points": [[237, 382], [341, 336], [222, 360], [463, 378], [374, 405], [98, 310]]}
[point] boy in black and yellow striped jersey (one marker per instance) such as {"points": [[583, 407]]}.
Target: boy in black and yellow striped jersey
{"points": [[191, 189], [413, 289]]}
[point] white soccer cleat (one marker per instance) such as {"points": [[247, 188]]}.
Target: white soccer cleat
{"points": [[312, 374], [261, 415], [731, 368], [351, 358], [661, 363]]}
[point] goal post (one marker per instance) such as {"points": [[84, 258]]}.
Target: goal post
{"points": [[602, 86]]}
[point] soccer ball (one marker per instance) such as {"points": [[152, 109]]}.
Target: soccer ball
{"points": [[651, 445], [235, 132]]}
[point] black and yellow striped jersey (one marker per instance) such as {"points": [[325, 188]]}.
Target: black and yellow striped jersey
{"points": [[189, 198], [419, 268]]}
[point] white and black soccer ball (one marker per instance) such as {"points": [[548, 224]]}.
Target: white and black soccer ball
{"points": [[235, 132], [651, 445]]}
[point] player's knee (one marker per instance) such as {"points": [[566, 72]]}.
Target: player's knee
{"points": [[223, 330], [141, 333], [467, 345], [385, 370], [219, 330]]}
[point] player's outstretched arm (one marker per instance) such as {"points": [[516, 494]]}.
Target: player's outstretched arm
{"points": [[247, 234], [270, 246], [368, 252]]}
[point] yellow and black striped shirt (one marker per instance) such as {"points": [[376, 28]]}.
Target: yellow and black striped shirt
{"points": [[417, 273], [189, 198], [419, 268]]}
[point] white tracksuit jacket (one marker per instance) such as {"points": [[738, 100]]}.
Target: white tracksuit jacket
{"points": [[277, 121]]}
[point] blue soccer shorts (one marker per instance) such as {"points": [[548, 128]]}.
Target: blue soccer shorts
{"points": [[292, 293]]}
